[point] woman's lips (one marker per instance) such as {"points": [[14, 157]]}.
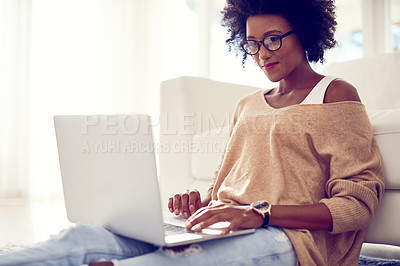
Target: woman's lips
{"points": [[270, 66]]}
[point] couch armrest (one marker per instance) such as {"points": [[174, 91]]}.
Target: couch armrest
{"points": [[189, 107]]}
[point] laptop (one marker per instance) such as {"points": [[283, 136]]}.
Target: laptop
{"points": [[109, 177]]}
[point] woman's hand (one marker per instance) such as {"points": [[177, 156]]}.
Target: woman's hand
{"points": [[239, 217], [186, 203]]}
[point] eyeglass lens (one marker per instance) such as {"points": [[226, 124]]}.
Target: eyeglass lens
{"points": [[271, 42]]}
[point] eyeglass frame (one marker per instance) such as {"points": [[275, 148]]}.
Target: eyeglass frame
{"points": [[280, 37]]}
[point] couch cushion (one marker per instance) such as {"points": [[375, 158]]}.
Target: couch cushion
{"points": [[382, 228], [376, 78], [386, 124], [210, 148]]}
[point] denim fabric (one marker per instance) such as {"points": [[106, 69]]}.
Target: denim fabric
{"points": [[84, 244], [267, 246], [78, 245]]}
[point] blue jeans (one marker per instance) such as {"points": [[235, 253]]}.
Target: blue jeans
{"points": [[84, 244]]}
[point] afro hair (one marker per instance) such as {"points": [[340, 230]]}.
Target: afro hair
{"points": [[313, 21]]}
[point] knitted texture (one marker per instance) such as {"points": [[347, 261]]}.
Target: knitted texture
{"points": [[306, 154]]}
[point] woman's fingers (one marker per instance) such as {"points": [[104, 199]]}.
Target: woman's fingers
{"points": [[194, 201], [236, 216], [226, 230], [204, 217], [185, 203], [171, 204], [177, 204]]}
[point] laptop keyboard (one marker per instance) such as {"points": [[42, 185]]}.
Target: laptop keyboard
{"points": [[171, 229]]}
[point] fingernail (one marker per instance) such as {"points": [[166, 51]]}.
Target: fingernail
{"points": [[191, 207], [184, 215], [176, 212], [196, 228]]}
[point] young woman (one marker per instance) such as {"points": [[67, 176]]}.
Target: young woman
{"points": [[301, 164]]}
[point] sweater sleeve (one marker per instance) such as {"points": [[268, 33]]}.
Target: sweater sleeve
{"points": [[355, 183]]}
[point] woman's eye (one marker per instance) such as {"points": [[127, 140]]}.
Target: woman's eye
{"points": [[273, 39]]}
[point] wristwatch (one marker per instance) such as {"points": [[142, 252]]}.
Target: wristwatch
{"points": [[264, 209]]}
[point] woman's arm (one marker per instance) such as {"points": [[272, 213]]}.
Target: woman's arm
{"points": [[339, 91], [312, 217]]}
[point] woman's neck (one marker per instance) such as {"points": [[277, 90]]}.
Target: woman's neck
{"points": [[303, 77]]}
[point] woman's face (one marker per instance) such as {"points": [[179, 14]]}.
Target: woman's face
{"points": [[277, 65]]}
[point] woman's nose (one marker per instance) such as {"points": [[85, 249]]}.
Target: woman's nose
{"points": [[264, 53]]}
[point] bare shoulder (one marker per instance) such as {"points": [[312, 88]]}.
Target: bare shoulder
{"points": [[340, 91]]}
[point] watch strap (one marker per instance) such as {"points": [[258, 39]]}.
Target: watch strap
{"points": [[265, 214], [266, 218]]}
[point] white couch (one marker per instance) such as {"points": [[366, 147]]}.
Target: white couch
{"points": [[197, 113]]}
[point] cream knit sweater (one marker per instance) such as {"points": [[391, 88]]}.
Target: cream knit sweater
{"points": [[306, 154]]}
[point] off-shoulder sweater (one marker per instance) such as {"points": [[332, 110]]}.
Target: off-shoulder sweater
{"points": [[306, 154]]}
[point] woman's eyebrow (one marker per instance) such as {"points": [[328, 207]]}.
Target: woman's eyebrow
{"points": [[265, 34]]}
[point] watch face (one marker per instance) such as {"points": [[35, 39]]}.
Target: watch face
{"points": [[262, 206]]}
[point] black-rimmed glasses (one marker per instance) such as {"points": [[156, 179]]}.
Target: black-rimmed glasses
{"points": [[271, 42]]}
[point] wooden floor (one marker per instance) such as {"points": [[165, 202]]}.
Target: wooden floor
{"points": [[25, 223]]}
